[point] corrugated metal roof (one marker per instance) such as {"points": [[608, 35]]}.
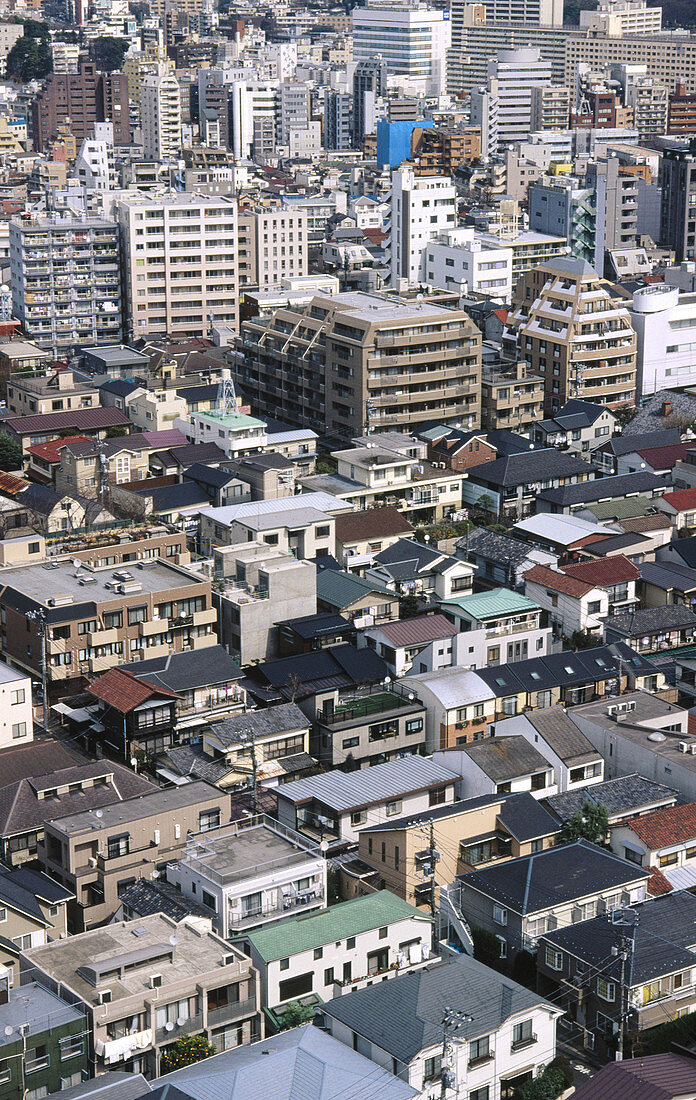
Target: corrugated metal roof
{"points": [[82, 419], [425, 628], [344, 790]]}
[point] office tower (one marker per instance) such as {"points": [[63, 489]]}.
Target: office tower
{"points": [[369, 82], [185, 277], [354, 363], [79, 100], [160, 113], [566, 206], [338, 120], [422, 207], [575, 334], [292, 109], [412, 38], [272, 247], [253, 118], [511, 76], [619, 17], [678, 203], [66, 280]]}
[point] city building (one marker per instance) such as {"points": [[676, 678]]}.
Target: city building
{"points": [[681, 117], [180, 257], [512, 396], [272, 247], [66, 280], [338, 121], [78, 100], [440, 151], [461, 262], [160, 114], [17, 723], [665, 325], [35, 913], [422, 207], [677, 220], [412, 39], [623, 17], [350, 387], [369, 85], [576, 763], [550, 107], [512, 74], [142, 988]]}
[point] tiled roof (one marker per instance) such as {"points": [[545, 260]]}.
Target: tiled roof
{"points": [[496, 602], [529, 466], [10, 484], [664, 458], [663, 828], [641, 524], [603, 488], [124, 691], [559, 582], [658, 884], [681, 499], [371, 523], [658, 1077], [51, 451], [81, 419], [604, 571], [425, 628], [649, 620]]}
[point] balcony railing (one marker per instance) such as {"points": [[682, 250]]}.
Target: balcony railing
{"points": [[235, 1011], [173, 1031], [520, 1044], [365, 707], [289, 905]]}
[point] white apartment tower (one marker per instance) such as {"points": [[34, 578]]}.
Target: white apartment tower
{"points": [[422, 207], [180, 260], [160, 114], [511, 76], [412, 38]]}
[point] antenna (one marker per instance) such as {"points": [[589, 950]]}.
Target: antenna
{"points": [[226, 403]]}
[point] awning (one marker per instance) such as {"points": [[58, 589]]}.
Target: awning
{"points": [[681, 878]]}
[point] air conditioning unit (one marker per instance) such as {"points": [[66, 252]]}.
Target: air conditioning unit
{"points": [[155, 981], [92, 861], [104, 996]]}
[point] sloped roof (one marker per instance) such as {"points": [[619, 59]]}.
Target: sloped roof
{"points": [[647, 620], [526, 467], [371, 523], [681, 499], [268, 722], [82, 419], [558, 582], [562, 735], [343, 791], [494, 603], [667, 827], [418, 631], [124, 692], [619, 796], [183, 671], [340, 590], [664, 458], [604, 571], [656, 1077], [505, 758], [50, 451]]}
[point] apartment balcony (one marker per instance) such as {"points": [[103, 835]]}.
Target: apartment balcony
{"points": [[172, 1030], [238, 1010], [307, 900], [103, 637], [362, 708], [207, 617], [153, 626], [150, 652], [133, 857], [204, 641], [101, 664]]}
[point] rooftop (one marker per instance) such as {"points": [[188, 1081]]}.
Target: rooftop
{"points": [[344, 791], [562, 735], [492, 605], [506, 758], [158, 801], [418, 631], [240, 851], [85, 585], [656, 1077], [665, 828], [268, 722], [36, 1006]]}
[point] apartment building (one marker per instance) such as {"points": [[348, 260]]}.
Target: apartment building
{"points": [[665, 324], [355, 363], [180, 258], [422, 207], [97, 853], [550, 107], [251, 873], [439, 151], [160, 114], [272, 247], [78, 100], [512, 396], [54, 392], [143, 984], [574, 334], [460, 261], [88, 619], [66, 280], [35, 908]]}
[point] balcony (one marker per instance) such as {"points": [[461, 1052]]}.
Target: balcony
{"points": [[103, 637], [205, 618], [308, 899], [154, 626], [364, 707], [235, 1011], [172, 1031], [31, 1065], [101, 664], [522, 1044]]}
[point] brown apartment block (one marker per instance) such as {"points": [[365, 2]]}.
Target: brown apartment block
{"points": [[83, 98], [356, 363], [512, 396], [575, 335], [440, 152], [95, 618], [681, 117]]}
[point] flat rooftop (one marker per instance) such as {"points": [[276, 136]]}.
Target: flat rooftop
{"points": [[42, 581], [39, 1008], [373, 307], [135, 809], [644, 725], [240, 851]]}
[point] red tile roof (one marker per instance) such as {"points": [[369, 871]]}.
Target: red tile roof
{"points": [[124, 691], [604, 571], [662, 828], [501, 314], [51, 451], [418, 631], [658, 884], [681, 499], [11, 485], [664, 458], [558, 582]]}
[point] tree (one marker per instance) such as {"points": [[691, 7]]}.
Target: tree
{"points": [[484, 503], [10, 453], [590, 823], [295, 1014], [408, 607], [185, 1051], [30, 58], [108, 52]]}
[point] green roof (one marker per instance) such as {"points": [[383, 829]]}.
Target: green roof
{"points": [[630, 508], [349, 918], [339, 589], [487, 605]]}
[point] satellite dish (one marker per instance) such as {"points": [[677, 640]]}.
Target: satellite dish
{"points": [[169, 1026], [8, 1031], [155, 874], [173, 940], [181, 1021], [99, 813]]}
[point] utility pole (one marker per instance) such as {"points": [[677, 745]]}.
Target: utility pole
{"points": [[451, 1022], [248, 738], [626, 921], [39, 617], [429, 860]]}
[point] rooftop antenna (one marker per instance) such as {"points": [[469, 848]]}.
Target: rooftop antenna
{"points": [[226, 395]]}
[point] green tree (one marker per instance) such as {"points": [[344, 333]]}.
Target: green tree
{"points": [[590, 823], [10, 453], [185, 1051], [484, 503], [295, 1014], [108, 52], [548, 1083], [30, 58], [408, 607]]}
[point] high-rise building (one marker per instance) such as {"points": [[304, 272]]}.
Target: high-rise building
{"points": [[293, 109], [616, 206], [422, 207], [338, 120], [618, 17], [542, 13], [678, 202], [512, 74], [566, 206], [180, 261], [272, 247], [550, 107], [369, 83], [576, 335], [484, 115], [66, 280], [682, 111], [354, 363], [411, 37], [160, 113], [254, 109], [645, 97], [79, 100]]}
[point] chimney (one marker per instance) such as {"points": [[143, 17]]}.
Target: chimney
{"points": [[666, 409]]}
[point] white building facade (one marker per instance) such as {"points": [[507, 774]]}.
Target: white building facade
{"points": [[411, 37], [461, 261], [160, 114], [665, 323], [422, 208]]}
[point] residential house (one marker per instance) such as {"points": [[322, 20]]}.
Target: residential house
{"points": [[33, 911], [251, 873], [506, 1035], [521, 899], [580, 968], [580, 426], [497, 626], [669, 460], [459, 705], [41, 427], [574, 497], [624, 798], [44, 1045], [575, 761], [17, 716], [574, 605], [642, 733], [50, 513], [55, 391], [669, 1075], [662, 583], [509, 487], [305, 633], [564, 536], [325, 954], [665, 839], [501, 561], [71, 783], [680, 551], [616, 575], [337, 805], [362, 601], [98, 856], [414, 568], [466, 834], [143, 988], [302, 524], [616, 454], [500, 765], [361, 535], [402, 645], [651, 629], [86, 467], [43, 459], [458, 450], [680, 506]]}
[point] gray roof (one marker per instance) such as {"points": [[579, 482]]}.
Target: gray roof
{"points": [[648, 620], [301, 1064], [625, 795], [497, 547], [504, 758], [185, 671], [562, 735], [529, 466], [649, 417], [666, 574], [34, 1005], [144, 898], [263, 723], [404, 1016], [604, 488], [340, 590], [343, 791], [160, 800], [112, 1085], [626, 444], [525, 818]]}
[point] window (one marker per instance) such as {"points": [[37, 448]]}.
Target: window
{"points": [[480, 1049], [5, 1071], [437, 796], [22, 942], [285, 964], [594, 607], [554, 958], [70, 1046], [351, 742], [414, 725], [329, 975], [19, 730], [606, 990], [209, 819], [3, 915], [136, 615], [433, 1068], [633, 857], [383, 933], [17, 696], [669, 860], [479, 1094], [358, 818], [292, 988], [500, 915], [393, 808], [539, 781], [113, 620], [36, 1058], [350, 942], [522, 1033], [209, 900], [118, 846]]}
